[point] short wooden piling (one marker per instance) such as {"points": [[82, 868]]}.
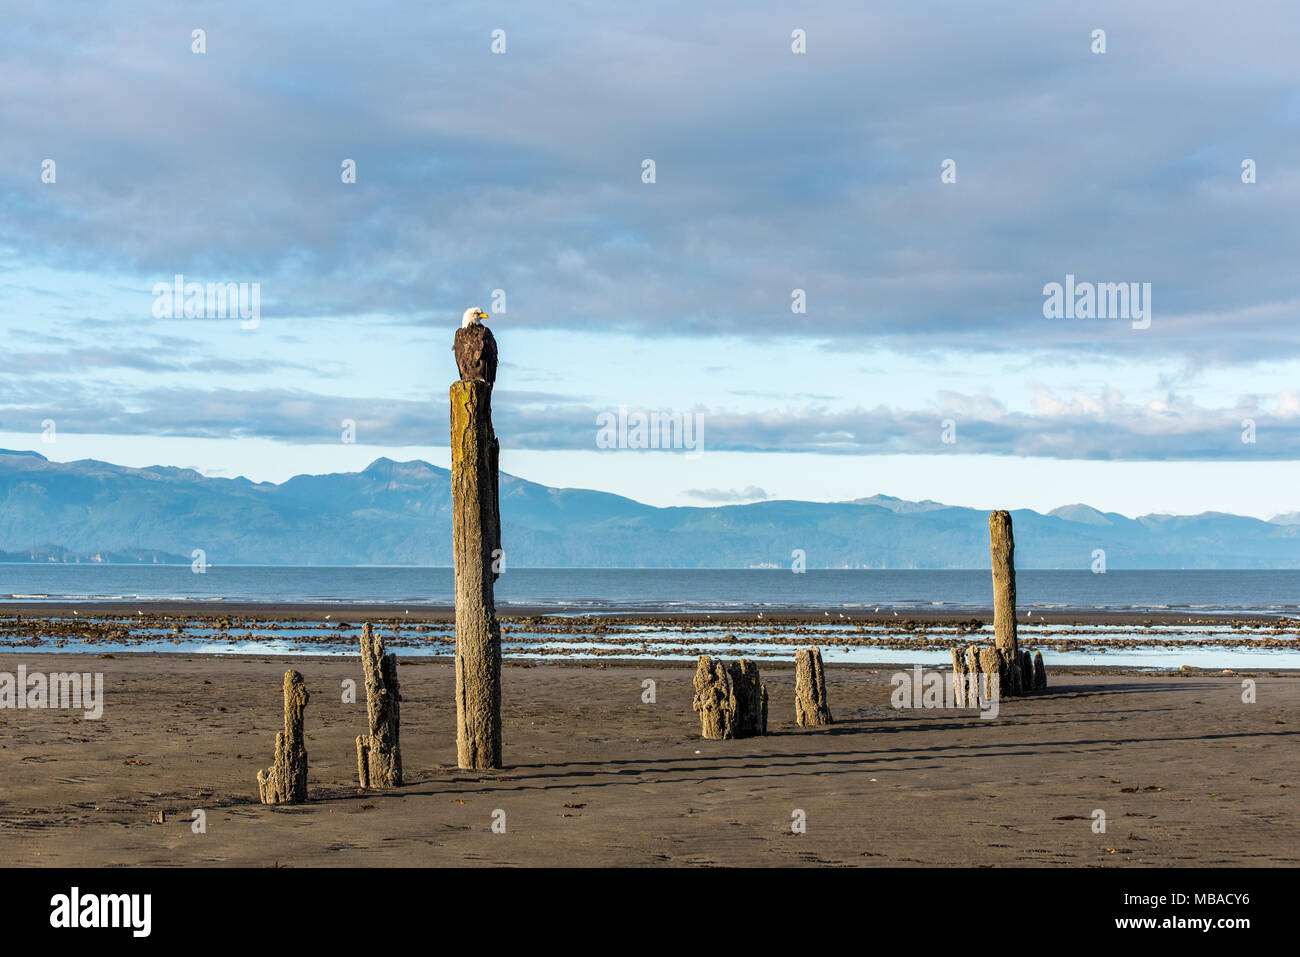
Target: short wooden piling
{"points": [[730, 698], [994, 674], [1011, 674], [715, 700], [285, 781], [751, 698], [973, 676], [379, 753], [960, 680], [811, 708]]}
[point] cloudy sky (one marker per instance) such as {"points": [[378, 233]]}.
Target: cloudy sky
{"points": [[923, 367]]}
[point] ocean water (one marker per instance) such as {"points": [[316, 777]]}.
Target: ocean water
{"points": [[614, 589]]}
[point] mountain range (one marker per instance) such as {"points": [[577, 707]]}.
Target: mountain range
{"points": [[399, 513]]}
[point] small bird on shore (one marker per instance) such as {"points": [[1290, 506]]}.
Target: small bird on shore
{"points": [[475, 348]]}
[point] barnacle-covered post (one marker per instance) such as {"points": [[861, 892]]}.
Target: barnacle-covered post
{"points": [[285, 781], [379, 753]]}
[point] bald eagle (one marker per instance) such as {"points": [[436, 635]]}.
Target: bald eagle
{"points": [[475, 348]]}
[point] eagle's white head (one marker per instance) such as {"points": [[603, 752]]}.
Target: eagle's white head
{"points": [[472, 316]]}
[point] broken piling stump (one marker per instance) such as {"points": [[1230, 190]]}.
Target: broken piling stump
{"points": [[379, 753], [714, 699], [972, 676], [991, 683], [751, 698], [1003, 548], [476, 535], [960, 677], [987, 672], [966, 674], [1011, 675], [731, 699], [285, 781], [810, 705]]}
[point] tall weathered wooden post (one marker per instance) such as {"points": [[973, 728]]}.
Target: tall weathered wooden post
{"points": [[1003, 547], [476, 544]]}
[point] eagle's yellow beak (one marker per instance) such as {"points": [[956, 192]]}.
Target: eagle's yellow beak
{"points": [[482, 315]]}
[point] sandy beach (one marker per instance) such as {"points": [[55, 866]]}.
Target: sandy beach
{"points": [[1184, 771]]}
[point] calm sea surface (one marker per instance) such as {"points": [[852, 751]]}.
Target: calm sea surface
{"points": [[602, 589]]}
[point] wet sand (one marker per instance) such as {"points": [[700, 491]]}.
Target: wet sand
{"points": [[1185, 772]]}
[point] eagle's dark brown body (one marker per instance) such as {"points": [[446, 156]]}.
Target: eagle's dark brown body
{"points": [[476, 354]]}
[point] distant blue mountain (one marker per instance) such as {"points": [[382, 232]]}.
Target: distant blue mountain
{"points": [[400, 513]]}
